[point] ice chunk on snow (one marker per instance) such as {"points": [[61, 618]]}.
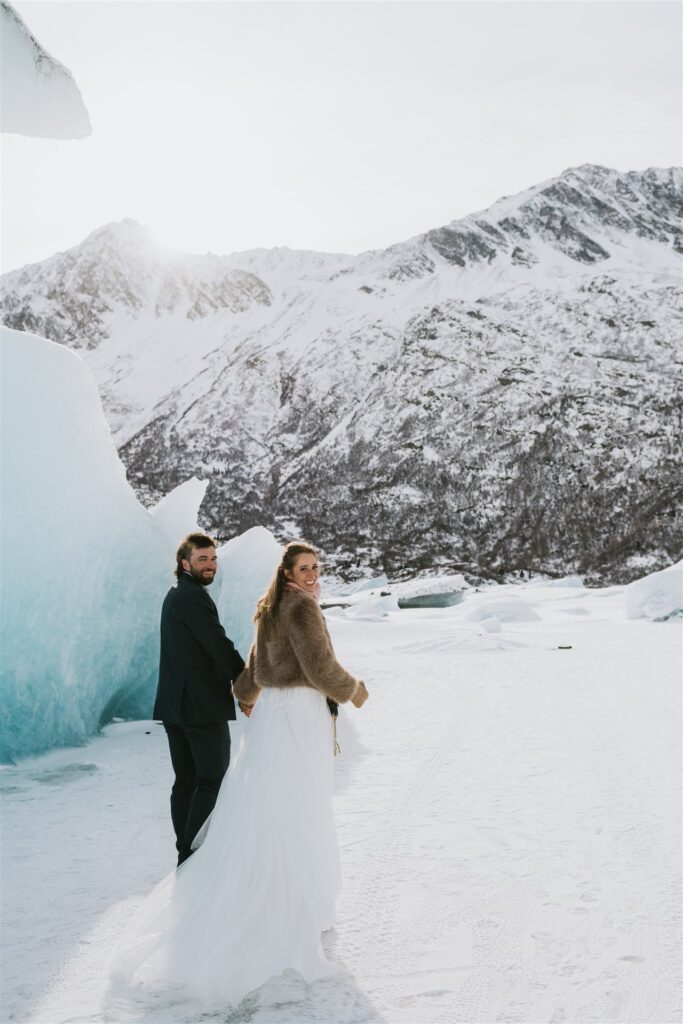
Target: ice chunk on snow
{"points": [[38, 96], [444, 599], [85, 566], [333, 585], [361, 597], [434, 592], [176, 513], [504, 609], [437, 592], [373, 609], [374, 583], [424, 586], [490, 625], [247, 564], [657, 596]]}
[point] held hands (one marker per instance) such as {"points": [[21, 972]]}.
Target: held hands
{"points": [[361, 695], [246, 709]]}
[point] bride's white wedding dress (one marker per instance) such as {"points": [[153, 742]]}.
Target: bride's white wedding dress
{"points": [[255, 897]]}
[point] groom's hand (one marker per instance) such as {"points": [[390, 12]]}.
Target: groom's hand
{"points": [[246, 709]]}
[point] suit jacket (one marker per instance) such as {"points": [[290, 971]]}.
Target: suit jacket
{"points": [[197, 661]]}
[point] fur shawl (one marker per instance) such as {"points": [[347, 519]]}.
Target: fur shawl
{"points": [[299, 653]]}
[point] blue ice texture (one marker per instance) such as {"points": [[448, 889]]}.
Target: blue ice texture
{"points": [[84, 565]]}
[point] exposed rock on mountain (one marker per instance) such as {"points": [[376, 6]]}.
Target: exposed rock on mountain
{"points": [[500, 393]]}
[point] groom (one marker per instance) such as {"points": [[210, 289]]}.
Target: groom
{"points": [[194, 696]]}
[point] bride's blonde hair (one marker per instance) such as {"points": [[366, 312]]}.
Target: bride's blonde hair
{"points": [[267, 606]]}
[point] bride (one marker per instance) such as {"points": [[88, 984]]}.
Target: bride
{"points": [[261, 887]]}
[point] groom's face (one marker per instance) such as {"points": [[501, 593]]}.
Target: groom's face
{"points": [[202, 565]]}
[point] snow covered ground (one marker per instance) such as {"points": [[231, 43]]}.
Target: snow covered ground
{"points": [[509, 817]]}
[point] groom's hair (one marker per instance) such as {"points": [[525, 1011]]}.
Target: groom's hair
{"points": [[187, 546]]}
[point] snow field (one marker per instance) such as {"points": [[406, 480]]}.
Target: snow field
{"points": [[508, 815]]}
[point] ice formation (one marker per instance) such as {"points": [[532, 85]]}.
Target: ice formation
{"points": [[372, 609], [657, 596], [343, 589], [437, 592], [176, 513], [378, 597], [504, 609], [247, 564], [430, 585], [85, 566], [39, 96]]}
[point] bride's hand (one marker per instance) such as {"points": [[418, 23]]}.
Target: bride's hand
{"points": [[361, 695], [246, 709]]}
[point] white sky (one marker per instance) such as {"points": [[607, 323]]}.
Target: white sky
{"points": [[336, 126]]}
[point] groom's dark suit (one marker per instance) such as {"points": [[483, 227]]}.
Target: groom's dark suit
{"points": [[194, 700]]}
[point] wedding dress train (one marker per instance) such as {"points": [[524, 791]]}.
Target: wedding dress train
{"points": [[255, 897]]}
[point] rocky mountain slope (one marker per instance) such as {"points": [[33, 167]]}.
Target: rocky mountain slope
{"points": [[500, 393]]}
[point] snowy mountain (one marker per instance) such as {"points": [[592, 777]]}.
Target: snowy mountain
{"points": [[38, 95], [500, 393]]}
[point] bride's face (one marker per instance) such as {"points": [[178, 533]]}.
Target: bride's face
{"points": [[304, 572]]}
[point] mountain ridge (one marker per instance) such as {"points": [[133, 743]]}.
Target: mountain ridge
{"points": [[426, 387]]}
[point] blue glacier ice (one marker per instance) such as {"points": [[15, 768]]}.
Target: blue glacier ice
{"points": [[246, 566], [84, 565]]}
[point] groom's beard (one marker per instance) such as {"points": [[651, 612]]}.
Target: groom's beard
{"points": [[203, 576]]}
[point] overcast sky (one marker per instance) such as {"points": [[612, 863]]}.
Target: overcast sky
{"points": [[335, 126]]}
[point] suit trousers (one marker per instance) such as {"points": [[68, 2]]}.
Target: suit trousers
{"points": [[200, 755]]}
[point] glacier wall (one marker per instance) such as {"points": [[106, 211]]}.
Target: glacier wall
{"points": [[84, 566], [38, 95]]}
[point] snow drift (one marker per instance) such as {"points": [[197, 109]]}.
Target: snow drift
{"points": [[658, 596]]}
